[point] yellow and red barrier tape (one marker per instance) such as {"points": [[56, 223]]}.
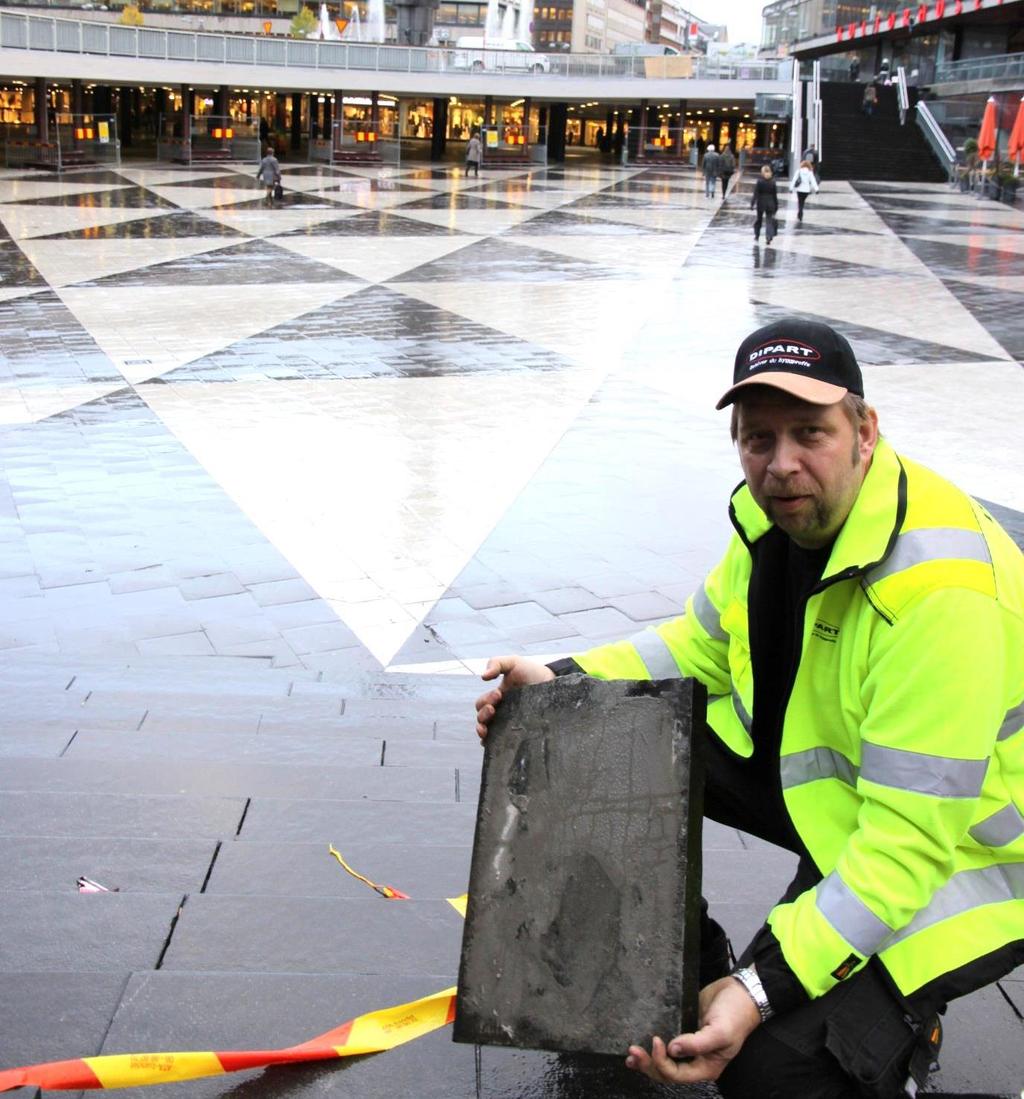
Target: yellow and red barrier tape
{"points": [[374, 1032], [371, 1033], [386, 891]]}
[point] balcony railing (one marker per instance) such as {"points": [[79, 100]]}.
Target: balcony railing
{"points": [[50, 34], [996, 67]]}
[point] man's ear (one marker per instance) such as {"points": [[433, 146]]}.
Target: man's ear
{"points": [[867, 435]]}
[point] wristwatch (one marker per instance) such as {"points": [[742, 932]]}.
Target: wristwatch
{"points": [[747, 976]]}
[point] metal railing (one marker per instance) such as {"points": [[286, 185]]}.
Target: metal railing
{"points": [[938, 141], [997, 67], [902, 94], [48, 33]]}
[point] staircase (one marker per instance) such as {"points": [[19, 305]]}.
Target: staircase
{"points": [[854, 146]]}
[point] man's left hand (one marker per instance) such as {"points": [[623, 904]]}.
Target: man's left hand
{"points": [[727, 1015]]}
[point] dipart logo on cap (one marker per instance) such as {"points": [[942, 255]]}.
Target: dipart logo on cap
{"points": [[782, 355]]}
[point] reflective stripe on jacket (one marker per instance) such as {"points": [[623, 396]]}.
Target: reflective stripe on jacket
{"points": [[902, 754]]}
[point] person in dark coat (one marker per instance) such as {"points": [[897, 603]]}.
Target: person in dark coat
{"points": [[726, 167], [765, 200]]}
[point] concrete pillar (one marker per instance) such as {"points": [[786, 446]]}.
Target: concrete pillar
{"points": [[338, 118], [186, 113], [124, 116], [680, 143], [374, 110], [41, 109], [76, 97], [280, 110], [489, 110], [527, 107], [642, 135], [296, 141], [439, 132], [558, 114], [221, 107], [327, 116]]}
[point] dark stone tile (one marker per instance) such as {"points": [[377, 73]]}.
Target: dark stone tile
{"points": [[303, 820], [374, 223], [300, 749], [492, 260], [458, 200], [555, 223], [424, 872], [316, 935], [15, 269], [41, 813], [375, 332], [584, 897], [124, 198], [180, 223], [36, 864], [110, 933], [44, 343], [997, 311], [214, 779], [55, 1016], [875, 345], [290, 200], [254, 262]]}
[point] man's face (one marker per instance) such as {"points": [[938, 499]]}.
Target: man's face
{"points": [[804, 463]]}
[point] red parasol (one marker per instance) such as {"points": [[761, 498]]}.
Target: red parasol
{"points": [[1015, 148], [987, 134]]}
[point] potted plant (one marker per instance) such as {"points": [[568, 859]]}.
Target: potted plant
{"points": [[1008, 184]]}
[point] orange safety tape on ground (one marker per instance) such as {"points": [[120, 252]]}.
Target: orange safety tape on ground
{"points": [[370, 1033], [386, 891]]}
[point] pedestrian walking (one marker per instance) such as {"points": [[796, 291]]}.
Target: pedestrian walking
{"points": [[870, 100], [765, 200], [811, 156], [726, 167], [712, 169], [269, 174], [803, 184], [474, 153]]}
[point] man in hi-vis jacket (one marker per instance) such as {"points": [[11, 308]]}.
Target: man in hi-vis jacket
{"points": [[861, 642]]}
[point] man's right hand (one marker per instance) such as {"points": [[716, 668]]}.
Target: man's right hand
{"points": [[516, 671]]}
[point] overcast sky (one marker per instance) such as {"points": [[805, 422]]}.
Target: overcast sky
{"points": [[742, 17]]}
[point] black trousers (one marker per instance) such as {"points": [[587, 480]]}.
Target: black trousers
{"points": [[769, 228], [801, 198], [856, 1041]]}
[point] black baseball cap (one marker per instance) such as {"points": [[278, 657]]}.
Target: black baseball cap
{"points": [[805, 358]]}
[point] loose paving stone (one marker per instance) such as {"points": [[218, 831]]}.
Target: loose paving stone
{"points": [[39, 864], [316, 935], [581, 931], [106, 933], [424, 872]]}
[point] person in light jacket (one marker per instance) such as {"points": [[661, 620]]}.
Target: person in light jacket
{"points": [[474, 154], [766, 200], [269, 174], [804, 184]]}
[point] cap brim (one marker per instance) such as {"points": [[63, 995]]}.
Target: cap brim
{"points": [[806, 389]]}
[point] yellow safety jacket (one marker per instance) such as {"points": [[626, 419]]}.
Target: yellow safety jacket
{"points": [[902, 752]]}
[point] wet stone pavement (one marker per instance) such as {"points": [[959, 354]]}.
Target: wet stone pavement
{"points": [[273, 482]]}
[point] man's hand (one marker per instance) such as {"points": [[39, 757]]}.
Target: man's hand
{"points": [[517, 671], [727, 1015]]}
